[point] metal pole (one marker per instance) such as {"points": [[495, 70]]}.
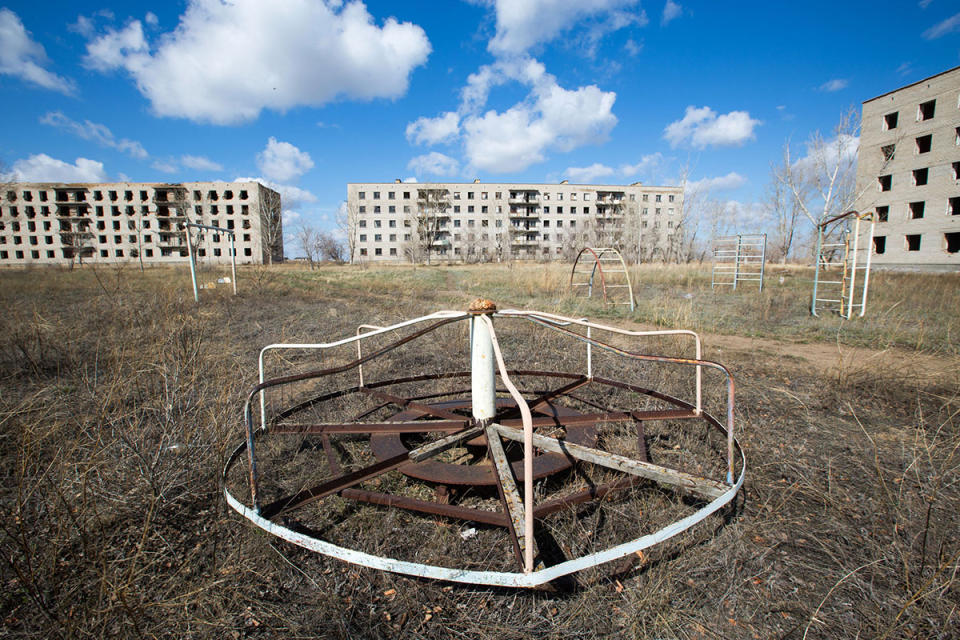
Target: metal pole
{"points": [[193, 266], [736, 262], [866, 273], [233, 262], [816, 270], [853, 265], [763, 260], [483, 377]]}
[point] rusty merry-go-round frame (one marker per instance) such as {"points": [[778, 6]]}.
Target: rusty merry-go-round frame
{"points": [[490, 414]]}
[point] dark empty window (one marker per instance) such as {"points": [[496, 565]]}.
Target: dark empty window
{"points": [[953, 206], [913, 242], [916, 210], [883, 214], [888, 151], [956, 170], [920, 176], [890, 121], [926, 110], [924, 143], [885, 182], [952, 241]]}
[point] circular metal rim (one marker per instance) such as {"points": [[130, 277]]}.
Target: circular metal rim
{"points": [[494, 578]]}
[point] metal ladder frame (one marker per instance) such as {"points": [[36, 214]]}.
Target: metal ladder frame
{"points": [[848, 278], [740, 259]]}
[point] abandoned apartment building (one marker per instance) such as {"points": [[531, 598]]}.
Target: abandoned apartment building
{"points": [[482, 222], [57, 223], [908, 173]]}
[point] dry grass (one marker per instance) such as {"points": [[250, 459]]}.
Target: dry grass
{"points": [[119, 399]]}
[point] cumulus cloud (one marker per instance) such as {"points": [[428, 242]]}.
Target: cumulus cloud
{"points": [[443, 128], [942, 28], [25, 58], [522, 24], [227, 61], [703, 127], [291, 196], [671, 10], [646, 164], [434, 163], [550, 118], [200, 163], [42, 168], [281, 161], [583, 175], [94, 132], [823, 159], [732, 180], [166, 166], [835, 84]]}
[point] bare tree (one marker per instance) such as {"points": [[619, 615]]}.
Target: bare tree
{"points": [[784, 207], [330, 248], [823, 183], [307, 241], [346, 221], [432, 205], [271, 224]]}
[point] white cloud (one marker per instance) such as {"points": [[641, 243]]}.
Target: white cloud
{"points": [[95, 132], [42, 168], [550, 118], [905, 69], [646, 164], [410, 180], [151, 19], [281, 161], [703, 128], [671, 10], [732, 180], [227, 61], [24, 58], [632, 47], [823, 159], [835, 84], [434, 163], [200, 163], [942, 28], [585, 175], [291, 197], [443, 128], [166, 166], [522, 24], [924, 3]]}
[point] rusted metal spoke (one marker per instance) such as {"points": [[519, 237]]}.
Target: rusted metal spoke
{"points": [[406, 403], [537, 403], [373, 427], [424, 506], [355, 477], [696, 485], [507, 490]]}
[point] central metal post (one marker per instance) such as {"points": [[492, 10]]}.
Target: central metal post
{"points": [[483, 371]]}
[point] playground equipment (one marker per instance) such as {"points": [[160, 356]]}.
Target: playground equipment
{"points": [[845, 263], [195, 247], [604, 268], [739, 258], [512, 452]]}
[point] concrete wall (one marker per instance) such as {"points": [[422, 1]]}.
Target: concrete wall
{"points": [[940, 196], [502, 221], [57, 223]]}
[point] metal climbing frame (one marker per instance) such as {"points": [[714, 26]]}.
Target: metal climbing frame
{"points": [[842, 274], [740, 258], [495, 411], [193, 258], [614, 278]]}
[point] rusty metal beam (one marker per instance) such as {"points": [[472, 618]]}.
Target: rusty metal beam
{"points": [[698, 486], [372, 427], [509, 495]]}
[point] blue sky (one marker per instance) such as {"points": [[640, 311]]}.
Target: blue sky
{"points": [[309, 95]]}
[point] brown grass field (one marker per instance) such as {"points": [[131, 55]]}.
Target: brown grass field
{"points": [[120, 399]]}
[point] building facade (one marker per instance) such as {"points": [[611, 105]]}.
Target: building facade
{"points": [[56, 223], [486, 222], [908, 172]]}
